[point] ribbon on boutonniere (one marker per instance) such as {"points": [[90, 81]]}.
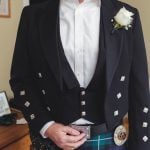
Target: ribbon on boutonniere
{"points": [[123, 19]]}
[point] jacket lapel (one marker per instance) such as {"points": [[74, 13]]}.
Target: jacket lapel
{"points": [[113, 42], [47, 27]]}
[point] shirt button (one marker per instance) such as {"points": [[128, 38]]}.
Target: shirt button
{"points": [[83, 103], [78, 74], [83, 113]]}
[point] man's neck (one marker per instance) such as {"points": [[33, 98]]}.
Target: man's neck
{"points": [[81, 1]]}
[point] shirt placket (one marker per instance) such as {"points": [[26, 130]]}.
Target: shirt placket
{"points": [[79, 51]]}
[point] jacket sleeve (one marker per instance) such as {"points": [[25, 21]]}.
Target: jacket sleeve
{"points": [[27, 97], [139, 95]]}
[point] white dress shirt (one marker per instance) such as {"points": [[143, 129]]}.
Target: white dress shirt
{"points": [[79, 31]]}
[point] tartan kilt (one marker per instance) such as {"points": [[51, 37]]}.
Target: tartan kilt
{"points": [[100, 142]]}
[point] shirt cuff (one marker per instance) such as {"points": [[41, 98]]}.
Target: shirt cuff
{"points": [[45, 127]]}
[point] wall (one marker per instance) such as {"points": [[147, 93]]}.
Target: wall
{"points": [[8, 30]]}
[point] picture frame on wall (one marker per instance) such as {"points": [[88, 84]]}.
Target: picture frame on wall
{"points": [[5, 8], [4, 106]]}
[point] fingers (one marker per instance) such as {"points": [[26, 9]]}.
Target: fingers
{"points": [[73, 142], [77, 144], [73, 139], [65, 137], [72, 146], [70, 131]]}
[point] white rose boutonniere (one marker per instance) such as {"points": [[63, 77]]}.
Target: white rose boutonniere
{"points": [[123, 19]]}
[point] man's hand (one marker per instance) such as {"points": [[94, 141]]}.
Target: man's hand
{"points": [[65, 137]]}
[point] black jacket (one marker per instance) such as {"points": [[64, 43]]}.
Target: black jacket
{"points": [[36, 77]]}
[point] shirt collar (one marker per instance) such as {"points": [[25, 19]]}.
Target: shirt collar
{"points": [[76, 3]]}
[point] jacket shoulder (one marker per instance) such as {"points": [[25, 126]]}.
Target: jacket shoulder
{"points": [[37, 8], [120, 4]]}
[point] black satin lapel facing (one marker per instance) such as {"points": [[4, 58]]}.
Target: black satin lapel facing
{"points": [[113, 42], [47, 29]]}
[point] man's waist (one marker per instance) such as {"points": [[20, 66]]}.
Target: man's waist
{"points": [[90, 130], [120, 131]]}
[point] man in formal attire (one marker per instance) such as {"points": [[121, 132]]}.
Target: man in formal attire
{"points": [[76, 72]]}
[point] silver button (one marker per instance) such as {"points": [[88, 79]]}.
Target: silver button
{"points": [[116, 113], [48, 108], [43, 91], [145, 124], [122, 78], [22, 92], [145, 110], [27, 104], [83, 113], [40, 75], [83, 93], [145, 138], [32, 116], [119, 95], [82, 103]]}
